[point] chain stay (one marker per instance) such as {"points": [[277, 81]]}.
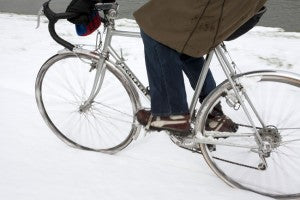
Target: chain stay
{"points": [[220, 159]]}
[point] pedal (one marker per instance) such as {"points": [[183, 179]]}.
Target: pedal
{"points": [[189, 134], [211, 147], [189, 143]]}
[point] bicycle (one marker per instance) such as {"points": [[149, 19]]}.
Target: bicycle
{"points": [[89, 100]]}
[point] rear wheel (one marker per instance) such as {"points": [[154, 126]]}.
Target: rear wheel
{"points": [[276, 97], [107, 125]]}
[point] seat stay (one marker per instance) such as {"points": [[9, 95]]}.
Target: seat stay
{"points": [[229, 72]]}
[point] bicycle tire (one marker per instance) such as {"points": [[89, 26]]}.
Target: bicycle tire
{"points": [[279, 180], [109, 125]]}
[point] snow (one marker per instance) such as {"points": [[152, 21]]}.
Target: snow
{"points": [[35, 164]]}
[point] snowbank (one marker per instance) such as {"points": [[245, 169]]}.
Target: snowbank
{"points": [[34, 164]]}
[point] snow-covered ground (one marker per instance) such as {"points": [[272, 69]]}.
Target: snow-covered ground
{"points": [[35, 164]]}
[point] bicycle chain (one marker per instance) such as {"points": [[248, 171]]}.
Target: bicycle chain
{"points": [[221, 159], [228, 161], [248, 126]]}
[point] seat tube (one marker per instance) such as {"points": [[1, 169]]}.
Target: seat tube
{"points": [[200, 82]]}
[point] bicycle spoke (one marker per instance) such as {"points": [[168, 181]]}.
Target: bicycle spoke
{"points": [[114, 109], [101, 114], [282, 129], [107, 133]]}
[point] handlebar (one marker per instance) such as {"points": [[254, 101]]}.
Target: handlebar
{"points": [[53, 18]]}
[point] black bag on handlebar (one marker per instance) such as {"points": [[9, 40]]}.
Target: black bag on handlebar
{"points": [[82, 7], [88, 19]]}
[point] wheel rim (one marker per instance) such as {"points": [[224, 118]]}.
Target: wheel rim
{"points": [[106, 125], [280, 178]]}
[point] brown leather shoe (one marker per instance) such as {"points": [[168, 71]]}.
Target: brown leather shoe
{"points": [[177, 123], [218, 121], [221, 123]]}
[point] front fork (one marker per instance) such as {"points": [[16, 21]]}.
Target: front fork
{"points": [[100, 71], [99, 77]]}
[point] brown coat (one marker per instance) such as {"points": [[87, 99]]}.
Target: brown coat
{"points": [[194, 27]]}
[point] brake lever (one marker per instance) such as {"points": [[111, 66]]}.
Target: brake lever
{"points": [[40, 13]]}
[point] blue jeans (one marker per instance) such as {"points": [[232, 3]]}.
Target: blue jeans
{"points": [[164, 69]]}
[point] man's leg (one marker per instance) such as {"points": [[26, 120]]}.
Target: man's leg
{"points": [[192, 68], [164, 69], [217, 120], [169, 108]]}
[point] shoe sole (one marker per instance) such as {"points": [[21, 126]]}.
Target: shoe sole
{"points": [[172, 131]]}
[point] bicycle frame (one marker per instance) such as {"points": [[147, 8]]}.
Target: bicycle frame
{"points": [[228, 69]]}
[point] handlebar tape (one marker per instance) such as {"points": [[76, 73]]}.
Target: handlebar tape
{"points": [[53, 18]]}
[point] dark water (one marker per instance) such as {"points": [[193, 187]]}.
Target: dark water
{"points": [[281, 13]]}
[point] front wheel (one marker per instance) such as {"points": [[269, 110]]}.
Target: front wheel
{"points": [[276, 98], [63, 85]]}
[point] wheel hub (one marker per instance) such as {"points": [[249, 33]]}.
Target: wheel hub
{"points": [[85, 107], [271, 135]]}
